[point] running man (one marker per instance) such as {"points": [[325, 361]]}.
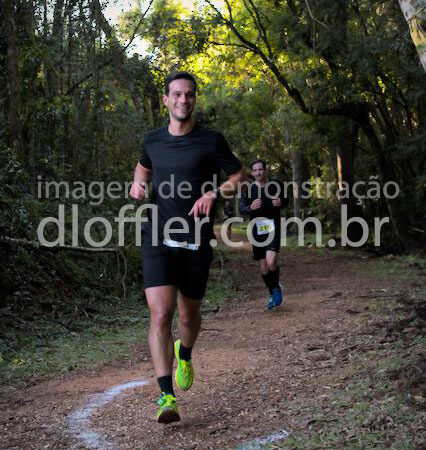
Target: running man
{"points": [[180, 159], [263, 199]]}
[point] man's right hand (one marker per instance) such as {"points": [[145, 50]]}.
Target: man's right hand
{"points": [[256, 204], [137, 191]]}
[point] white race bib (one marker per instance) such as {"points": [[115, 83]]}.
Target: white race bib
{"points": [[265, 226]]}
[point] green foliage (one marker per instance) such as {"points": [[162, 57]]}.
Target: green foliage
{"points": [[89, 324], [84, 106], [17, 206], [111, 332], [172, 37]]}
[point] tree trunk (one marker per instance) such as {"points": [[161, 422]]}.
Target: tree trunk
{"points": [[95, 32], [56, 48], [67, 144], [415, 15], [300, 171], [345, 153], [395, 206], [118, 66], [15, 136]]}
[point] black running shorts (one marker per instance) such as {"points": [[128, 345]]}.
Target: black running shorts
{"points": [[260, 252], [188, 270]]}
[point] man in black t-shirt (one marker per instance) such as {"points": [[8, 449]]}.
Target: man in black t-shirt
{"points": [[183, 161], [262, 202]]}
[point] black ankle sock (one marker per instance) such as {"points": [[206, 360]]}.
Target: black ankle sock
{"points": [[271, 279], [266, 281], [185, 352], [275, 278], [166, 384]]}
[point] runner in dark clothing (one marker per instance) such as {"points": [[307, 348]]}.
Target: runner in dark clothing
{"points": [[262, 202], [180, 160]]}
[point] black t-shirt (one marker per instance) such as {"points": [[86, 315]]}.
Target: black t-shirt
{"points": [[181, 165], [266, 193]]}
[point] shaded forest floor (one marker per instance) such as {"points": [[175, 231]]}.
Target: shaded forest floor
{"points": [[340, 366]]}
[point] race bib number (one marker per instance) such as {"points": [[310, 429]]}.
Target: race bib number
{"points": [[265, 226]]}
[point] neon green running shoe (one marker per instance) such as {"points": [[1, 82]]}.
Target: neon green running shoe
{"points": [[184, 372], [168, 410]]}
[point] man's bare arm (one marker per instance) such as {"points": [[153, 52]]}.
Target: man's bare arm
{"points": [[141, 179], [205, 203], [230, 186]]}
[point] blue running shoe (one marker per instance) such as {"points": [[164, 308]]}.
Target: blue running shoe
{"points": [[270, 303], [277, 297]]}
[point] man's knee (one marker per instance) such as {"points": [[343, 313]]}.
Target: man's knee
{"points": [[189, 318], [161, 316], [272, 265], [263, 266]]}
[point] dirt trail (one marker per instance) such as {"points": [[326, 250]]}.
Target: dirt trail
{"points": [[248, 364]]}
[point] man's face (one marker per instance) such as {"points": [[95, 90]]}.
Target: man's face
{"points": [[181, 99], [258, 172]]}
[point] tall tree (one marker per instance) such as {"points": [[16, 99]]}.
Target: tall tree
{"points": [[415, 15], [13, 86], [339, 76]]}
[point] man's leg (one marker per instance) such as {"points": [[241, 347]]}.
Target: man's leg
{"points": [[264, 272], [192, 282], [162, 302], [271, 260], [263, 267], [189, 328], [270, 274], [189, 320], [268, 269], [274, 277]]}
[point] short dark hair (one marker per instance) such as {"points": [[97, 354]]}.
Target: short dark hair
{"points": [[258, 161], [177, 76]]}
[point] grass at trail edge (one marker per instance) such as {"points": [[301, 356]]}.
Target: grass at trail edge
{"points": [[106, 329]]}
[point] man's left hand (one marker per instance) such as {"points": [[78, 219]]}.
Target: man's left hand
{"points": [[203, 205], [276, 201]]}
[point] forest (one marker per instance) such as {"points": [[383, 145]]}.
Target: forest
{"points": [[332, 94]]}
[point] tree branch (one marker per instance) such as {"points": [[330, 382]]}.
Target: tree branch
{"points": [[312, 16], [215, 9], [138, 26], [110, 60], [262, 29], [35, 244], [352, 110], [229, 44], [229, 10], [293, 93]]}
